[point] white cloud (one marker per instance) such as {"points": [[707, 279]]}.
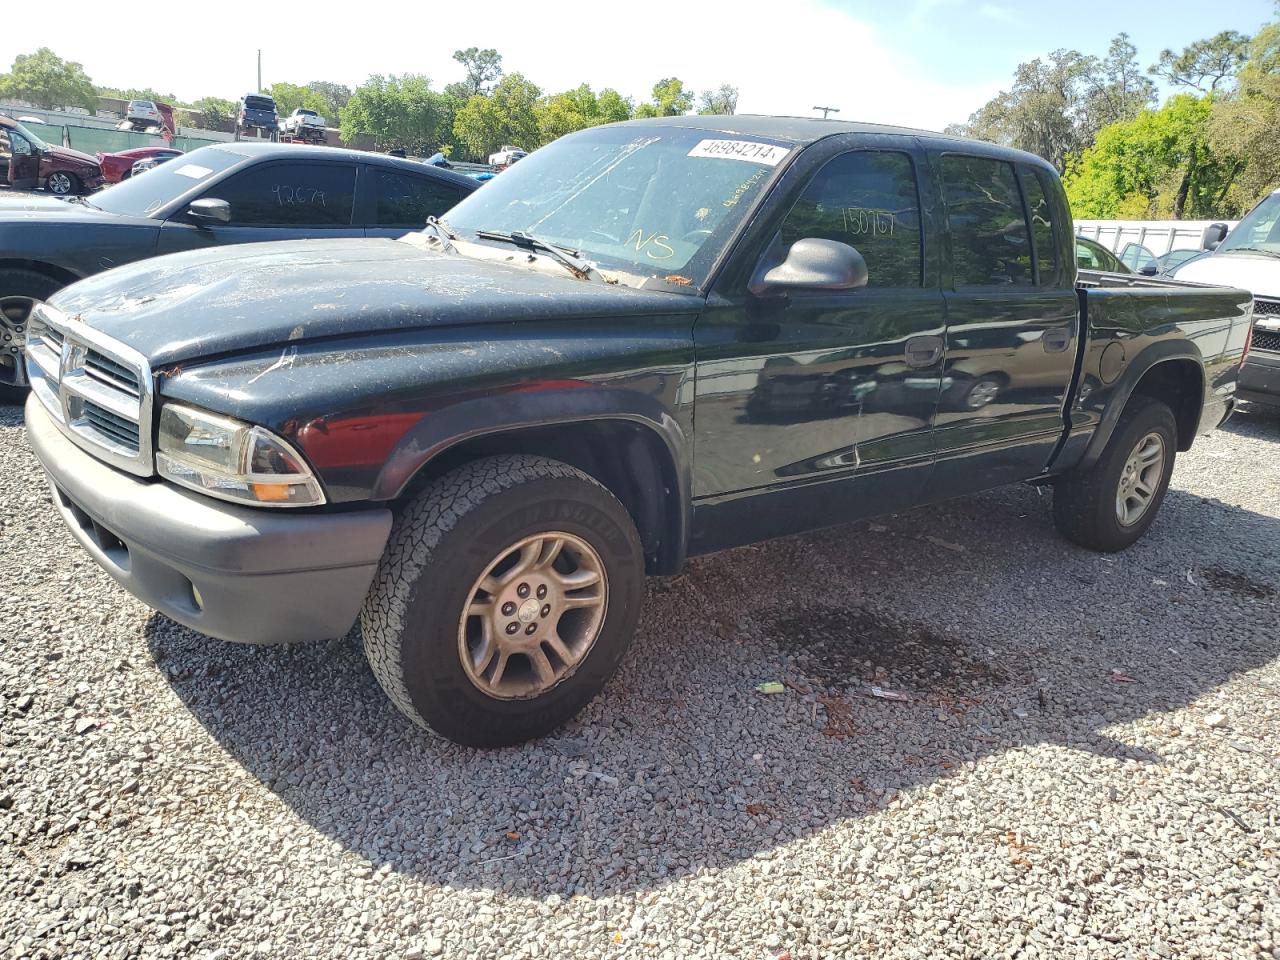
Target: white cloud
{"points": [[781, 64]]}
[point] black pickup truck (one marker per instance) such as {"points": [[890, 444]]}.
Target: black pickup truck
{"points": [[645, 341]]}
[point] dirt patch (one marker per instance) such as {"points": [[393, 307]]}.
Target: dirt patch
{"points": [[1237, 583], [843, 647]]}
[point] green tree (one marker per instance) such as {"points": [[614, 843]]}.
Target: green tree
{"points": [[1043, 112], [722, 100], [614, 107], [577, 109], [1117, 89], [336, 96], [670, 99], [483, 67], [46, 80], [1205, 64], [212, 113], [133, 93], [397, 111], [289, 97], [1160, 164], [1245, 124], [508, 115]]}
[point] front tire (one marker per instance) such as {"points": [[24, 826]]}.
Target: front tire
{"points": [[507, 595], [1111, 506], [20, 291]]}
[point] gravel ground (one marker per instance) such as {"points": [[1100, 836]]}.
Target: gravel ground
{"points": [[162, 794]]}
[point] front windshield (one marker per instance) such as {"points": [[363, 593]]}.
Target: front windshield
{"points": [[143, 196], [30, 137], [645, 201], [1258, 232]]}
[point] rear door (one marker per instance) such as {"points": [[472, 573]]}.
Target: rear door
{"points": [[282, 200], [1011, 324], [817, 406], [399, 201]]}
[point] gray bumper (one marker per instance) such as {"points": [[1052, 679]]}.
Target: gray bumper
{"points": [[236, 573], [1260, 377]]}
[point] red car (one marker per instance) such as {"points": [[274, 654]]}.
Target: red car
{"points": [[27, 162], [118, 166]]}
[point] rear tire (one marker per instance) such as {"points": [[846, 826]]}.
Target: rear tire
{"points": [[425, 641], [1111, 506]]}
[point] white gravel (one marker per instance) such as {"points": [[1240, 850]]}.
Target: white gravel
{"points": [[166, 795]]}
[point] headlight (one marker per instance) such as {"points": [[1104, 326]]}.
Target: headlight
{"points": [[226, 458]]}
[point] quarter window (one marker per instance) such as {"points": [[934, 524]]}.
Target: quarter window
{"points": [[988, 225], [406, 201], [867, 199], [290, 194]]}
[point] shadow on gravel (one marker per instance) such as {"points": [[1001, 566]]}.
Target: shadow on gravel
{"points": [[1001, 634]]}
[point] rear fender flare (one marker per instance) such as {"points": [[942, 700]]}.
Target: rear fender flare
{"points": [[1137, 368]]}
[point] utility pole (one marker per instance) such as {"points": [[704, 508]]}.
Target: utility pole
{"points": [[826, 110], [259, 71]]}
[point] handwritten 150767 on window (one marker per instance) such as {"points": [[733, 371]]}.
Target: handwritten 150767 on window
{"points": [[751, 151]]}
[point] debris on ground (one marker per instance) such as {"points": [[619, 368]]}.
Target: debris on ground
{"points": [[771, 687], [1119, 676], [882, 693]]}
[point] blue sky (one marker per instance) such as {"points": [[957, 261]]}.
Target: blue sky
{"points": [[920, 63]]}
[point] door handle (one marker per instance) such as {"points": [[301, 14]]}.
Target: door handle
{"points": [[924, 351], [1056, 339]]}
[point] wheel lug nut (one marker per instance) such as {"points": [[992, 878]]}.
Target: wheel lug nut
{"points": [[512, 627], [542, 592], [546, 609], [531, 629], [508, 608], [522, 591]]}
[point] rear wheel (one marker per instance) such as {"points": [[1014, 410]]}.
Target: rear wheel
{"points": [[1110, 506], [505, 600]]}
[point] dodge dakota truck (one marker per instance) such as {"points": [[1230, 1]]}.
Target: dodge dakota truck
{"points": [[645, 341]]}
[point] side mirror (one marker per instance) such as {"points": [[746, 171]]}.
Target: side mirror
{"points": [[814, 264], [1150, 270], [211, 209], [1213, 235]]}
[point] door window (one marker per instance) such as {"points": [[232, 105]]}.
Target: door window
{"points": [[406, 201], [290, 195], [19, 144], [867, 199], [1046, 250], [988, 225]]}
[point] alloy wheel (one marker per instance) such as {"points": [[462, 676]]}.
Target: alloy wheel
{"points": [[1140, 479], [533, 615], [59, 183]]}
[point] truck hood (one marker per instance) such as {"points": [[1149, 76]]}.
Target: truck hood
{"points": [[1260, 275], [222, 300], [67, 155]]}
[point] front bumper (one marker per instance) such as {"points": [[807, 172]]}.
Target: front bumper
{"points": [[1260, 378], [236, 573]]}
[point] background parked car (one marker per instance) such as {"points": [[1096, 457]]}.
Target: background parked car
{"points": [[149, 163], [119, 166], [143, 112], [233, 193], [1091, 255], [303, 124], [27, 162], [506, 156]]}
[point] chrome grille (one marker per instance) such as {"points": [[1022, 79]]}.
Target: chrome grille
{"points": [[1265, 340], [98, 391]]}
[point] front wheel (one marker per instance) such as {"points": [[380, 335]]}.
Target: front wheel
{"points": [[62, 184], [1110, 506], [505, 600]]}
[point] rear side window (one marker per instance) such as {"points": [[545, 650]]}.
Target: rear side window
{"points": [[407, 201], [867, 199], [988, 226], [290, 194], [1046, 250]]}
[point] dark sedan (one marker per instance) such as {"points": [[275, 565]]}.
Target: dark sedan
{"points": [[233, 193]]}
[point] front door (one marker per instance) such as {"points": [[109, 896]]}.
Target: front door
{"points": [[1012, 315], [287, 200], [817, 406], [21, 159]]}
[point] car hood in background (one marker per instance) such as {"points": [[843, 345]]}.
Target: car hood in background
{"points": [[46, 208], [67, 155], [1258, 274], [221, 300]]}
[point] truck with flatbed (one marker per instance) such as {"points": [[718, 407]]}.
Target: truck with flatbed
{"points": [[646, 341]]}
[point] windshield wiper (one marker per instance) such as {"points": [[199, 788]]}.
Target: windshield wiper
{"points": [[1265, 253], [566, 255], [442, 232]]}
